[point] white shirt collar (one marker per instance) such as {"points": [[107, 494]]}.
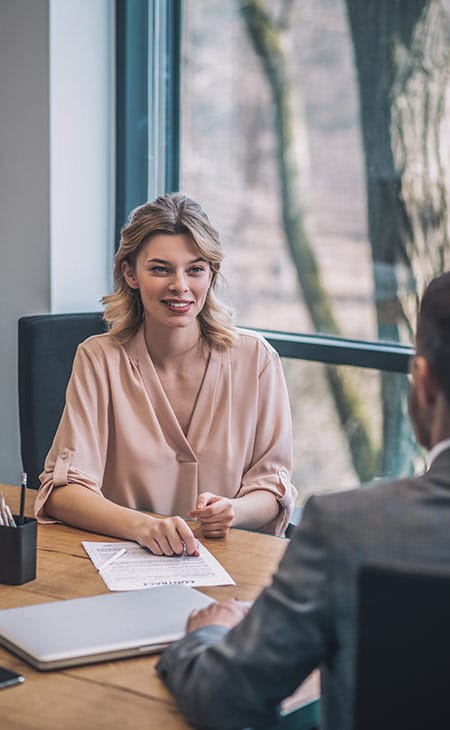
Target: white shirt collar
{"points": [[437, 449]]}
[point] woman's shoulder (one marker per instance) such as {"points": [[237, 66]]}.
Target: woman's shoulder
{"points": [[103, 347], [251, 345], [253, 340]]}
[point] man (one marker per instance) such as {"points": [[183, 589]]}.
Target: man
{"points": [[234, 678]]}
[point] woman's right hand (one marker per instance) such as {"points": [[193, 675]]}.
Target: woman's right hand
{"points": [[167, 536]]}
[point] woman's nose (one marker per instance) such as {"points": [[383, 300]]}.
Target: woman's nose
{"points": [[178, 282]]}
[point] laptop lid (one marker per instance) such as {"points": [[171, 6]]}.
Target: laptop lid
{"points": [[98, 628]]}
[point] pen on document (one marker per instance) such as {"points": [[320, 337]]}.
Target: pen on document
{"points": [[112, 559], [23, 489]]}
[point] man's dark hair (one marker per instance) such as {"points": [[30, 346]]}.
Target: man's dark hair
{"points": [[433, 330]]}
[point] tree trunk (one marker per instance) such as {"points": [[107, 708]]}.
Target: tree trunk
{"points": [[402, 59], [270, 41]]}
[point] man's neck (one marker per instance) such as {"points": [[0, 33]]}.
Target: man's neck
{"points": [[439, 421]]}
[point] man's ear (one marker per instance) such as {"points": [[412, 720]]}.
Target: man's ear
{"points": [[426, 387], [129, 275]]}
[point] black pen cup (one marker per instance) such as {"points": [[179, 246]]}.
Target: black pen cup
{"points": [[18, 552]]}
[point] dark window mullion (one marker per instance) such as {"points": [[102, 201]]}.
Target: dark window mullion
{"points": [[173, 95], [131, 107], [387, 356]]}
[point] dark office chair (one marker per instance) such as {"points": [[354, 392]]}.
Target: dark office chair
{"points": [[403, 652], [47, 345]]}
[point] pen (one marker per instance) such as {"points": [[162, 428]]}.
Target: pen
{"points": [[112, 559], [23, 489], [12, 522], [6, 514], [3, 514]]}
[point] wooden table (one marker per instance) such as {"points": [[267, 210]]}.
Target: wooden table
{"points": [[120, 694]]}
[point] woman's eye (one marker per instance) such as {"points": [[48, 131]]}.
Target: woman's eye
{"points": [[197, 269], [159, 269]]}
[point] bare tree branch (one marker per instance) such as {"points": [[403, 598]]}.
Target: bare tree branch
{"points": [[269, 40]]}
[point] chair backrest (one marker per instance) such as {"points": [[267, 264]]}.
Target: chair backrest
{"points": [[47, 345], [403, 649]]}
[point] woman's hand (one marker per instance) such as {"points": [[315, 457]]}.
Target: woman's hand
{"points": [[167, 536], [214, 513], [225, 613]]}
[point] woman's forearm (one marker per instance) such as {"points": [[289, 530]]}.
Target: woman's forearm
{"points": [[80, 507], [87, 510], [255, 509]]}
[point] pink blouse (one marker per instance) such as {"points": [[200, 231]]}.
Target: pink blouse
{"points": [[119, 436]]}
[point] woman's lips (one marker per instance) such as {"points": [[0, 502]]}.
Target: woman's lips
{"points": [[179, 306]]}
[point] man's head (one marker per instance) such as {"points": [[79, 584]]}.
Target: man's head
{"points": [[430, 368]]}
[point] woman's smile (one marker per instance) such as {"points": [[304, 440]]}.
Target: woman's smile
{"points": [[178, 306]]}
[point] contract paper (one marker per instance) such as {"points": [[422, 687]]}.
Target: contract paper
{"points": [[139, 568]]}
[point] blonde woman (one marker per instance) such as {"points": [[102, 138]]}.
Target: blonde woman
{"points": [[173, 411]]}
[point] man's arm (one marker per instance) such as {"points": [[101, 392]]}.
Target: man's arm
{"points": [[236, 678]]}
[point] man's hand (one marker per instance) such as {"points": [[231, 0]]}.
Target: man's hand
{"points": [[224, 613]]}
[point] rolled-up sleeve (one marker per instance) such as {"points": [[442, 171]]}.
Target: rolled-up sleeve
{"points": [[78, 452]]}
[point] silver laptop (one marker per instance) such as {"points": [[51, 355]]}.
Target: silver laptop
{"points": [[98, 628]]}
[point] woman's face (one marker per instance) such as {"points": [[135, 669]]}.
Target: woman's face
{"points": [[173, 280]]}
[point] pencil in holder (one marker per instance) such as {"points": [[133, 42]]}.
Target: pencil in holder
{"points": [[18, 552]]}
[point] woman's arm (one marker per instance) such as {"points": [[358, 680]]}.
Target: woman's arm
{"points": [[270, 468], [217, 514], [71, 492], [89, 510], [266, 497]]}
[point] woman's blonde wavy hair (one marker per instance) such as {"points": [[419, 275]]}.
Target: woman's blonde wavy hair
{"points": [[168, 214]]}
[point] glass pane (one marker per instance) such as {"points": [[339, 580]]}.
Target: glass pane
{"points": [[321, 158], [332, 452]]}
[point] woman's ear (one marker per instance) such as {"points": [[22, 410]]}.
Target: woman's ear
{"points": [[129, 275], [213, 272]]}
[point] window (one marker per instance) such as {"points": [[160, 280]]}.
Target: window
{"points": [[300, 137], [313, 132]]}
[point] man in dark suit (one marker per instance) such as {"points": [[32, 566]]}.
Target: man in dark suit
{"points": [[234, 667]]}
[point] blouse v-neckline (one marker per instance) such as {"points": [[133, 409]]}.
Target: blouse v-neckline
{"points": [[196, 433]]}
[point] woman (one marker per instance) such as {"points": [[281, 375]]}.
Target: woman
{"points": [[174, 410]]}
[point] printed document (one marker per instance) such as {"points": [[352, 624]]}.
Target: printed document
{"points": [[139, 568]]}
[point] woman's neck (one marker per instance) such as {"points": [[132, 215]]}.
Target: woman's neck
{"points": [[174, 349]]}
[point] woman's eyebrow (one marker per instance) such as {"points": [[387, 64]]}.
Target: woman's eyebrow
{"points": [[164, 261]]}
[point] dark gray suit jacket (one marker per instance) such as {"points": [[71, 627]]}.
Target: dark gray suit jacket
{"points": [[307, 617]]}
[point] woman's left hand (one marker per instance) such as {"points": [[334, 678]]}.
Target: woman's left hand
{"points": [[214, 513]]}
